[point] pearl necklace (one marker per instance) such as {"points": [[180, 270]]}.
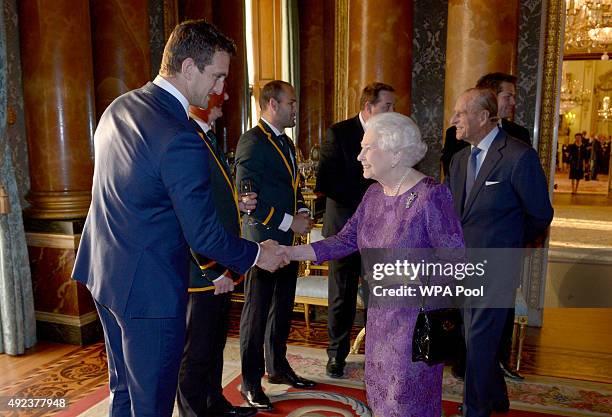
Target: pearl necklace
{"points": [[399, 184]]}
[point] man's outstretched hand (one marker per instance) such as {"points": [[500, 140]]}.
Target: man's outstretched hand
{"points": [[272, 256]]}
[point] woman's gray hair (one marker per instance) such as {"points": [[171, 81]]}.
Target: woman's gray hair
{"points": [[397, 132]]}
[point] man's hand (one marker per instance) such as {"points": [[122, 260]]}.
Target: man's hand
{"points": [[223, 285], [247, 202], [302, 223], [272, 256]]}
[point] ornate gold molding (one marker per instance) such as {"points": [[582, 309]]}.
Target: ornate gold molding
{"points": [[547, 122], [341, 59], [550, 84]]}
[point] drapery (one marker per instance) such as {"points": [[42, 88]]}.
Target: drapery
{"points": [[17, 321]]}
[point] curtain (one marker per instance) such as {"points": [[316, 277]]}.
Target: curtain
{"points": [[17, 321]]}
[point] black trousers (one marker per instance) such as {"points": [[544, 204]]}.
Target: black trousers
{"points": [[343, 284], [200, 387], [266, 320]]}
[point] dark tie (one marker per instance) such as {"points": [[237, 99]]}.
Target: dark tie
{"points": [[283, 141], [471, 173], [213, 139]]}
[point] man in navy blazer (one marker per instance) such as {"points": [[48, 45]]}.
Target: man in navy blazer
{"points": [[151, 202], [501, 195]]}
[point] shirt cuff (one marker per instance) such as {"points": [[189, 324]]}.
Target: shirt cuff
{"points": [[256, 257], [286, 223]]}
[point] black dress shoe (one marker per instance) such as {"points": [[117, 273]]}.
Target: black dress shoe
{"points": [[290, 378], [510, 373], [335, 368], [257, 399]]}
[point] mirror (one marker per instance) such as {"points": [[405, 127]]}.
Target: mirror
{"points": [[586, 110]]}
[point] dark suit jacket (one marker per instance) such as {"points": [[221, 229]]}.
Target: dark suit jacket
{"points": [[452, 145], [340, 175], [205, 270], [260, 157], [151, 201], [514, 207]]}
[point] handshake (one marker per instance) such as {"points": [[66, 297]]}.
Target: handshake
{"points": [[273, 256]]}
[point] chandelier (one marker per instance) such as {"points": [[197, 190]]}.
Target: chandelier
{"points": [[589, 25], [572, 94]]}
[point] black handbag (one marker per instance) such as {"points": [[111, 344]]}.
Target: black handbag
{"points": [[438, 335]]}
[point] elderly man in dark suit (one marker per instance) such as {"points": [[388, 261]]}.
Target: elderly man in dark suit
{"points": [[504, 86], [340, 178], [200, 389], [500, 193], [265, 156], [151, 202]]}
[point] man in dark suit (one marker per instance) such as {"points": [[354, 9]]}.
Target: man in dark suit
{"points": [[504, 85], [151, 201], [200, 390], [500, 193], [266, 157], [340, 178]]}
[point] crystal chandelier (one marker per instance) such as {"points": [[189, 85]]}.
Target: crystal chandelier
{"points": [[589, 25], [572, 94]]}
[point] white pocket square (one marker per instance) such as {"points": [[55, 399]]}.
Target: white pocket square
{"points": [[487, 183]]}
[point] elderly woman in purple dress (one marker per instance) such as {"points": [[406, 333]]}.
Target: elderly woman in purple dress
{"points": [[404, 209]]}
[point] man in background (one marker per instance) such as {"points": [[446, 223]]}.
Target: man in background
{"points": [[200, 389], [340, 178], [265, 158]]}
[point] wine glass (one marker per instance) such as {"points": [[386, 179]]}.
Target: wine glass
{"points": [[246, 187]]}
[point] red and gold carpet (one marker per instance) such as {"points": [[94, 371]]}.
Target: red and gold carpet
{"points": [[535, 397]]}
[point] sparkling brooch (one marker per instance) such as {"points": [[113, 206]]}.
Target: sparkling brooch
{"points": [[413, 196]]}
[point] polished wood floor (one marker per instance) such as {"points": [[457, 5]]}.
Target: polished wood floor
{"points": [[573, 343]]}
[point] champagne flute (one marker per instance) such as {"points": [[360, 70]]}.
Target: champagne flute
{"points": [[246, 187]]}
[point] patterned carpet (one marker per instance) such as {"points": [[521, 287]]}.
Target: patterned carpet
{"points": [[80, 378]]}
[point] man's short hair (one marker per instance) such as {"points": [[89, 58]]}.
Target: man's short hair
{"points": [[483, 99], [196, 39], [371, 91], [273, 89], [494, 81]]}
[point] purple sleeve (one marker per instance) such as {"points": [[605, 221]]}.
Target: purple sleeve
{"points": [[342, 244], [443, 224]]}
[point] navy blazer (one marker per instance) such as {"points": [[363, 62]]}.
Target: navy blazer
{"points": [[509, 203], [260, 158], [151, 201]]}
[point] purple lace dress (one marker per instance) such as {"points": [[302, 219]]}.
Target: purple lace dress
{"points": [[396, 386]]}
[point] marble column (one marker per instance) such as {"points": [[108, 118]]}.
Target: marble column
{"points": [[121, 49], [59, 104], [379, 49], [312, 74], [482, 37], [57, 71]]}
